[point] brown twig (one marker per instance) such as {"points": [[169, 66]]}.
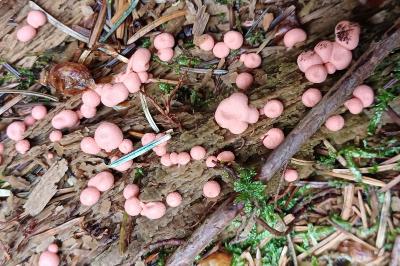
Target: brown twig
{"points": [[98, 26], [393, 115], [273, 230], [391, 184], [151, 247]]}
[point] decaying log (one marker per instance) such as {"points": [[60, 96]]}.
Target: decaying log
{"points": [[336, 96]]}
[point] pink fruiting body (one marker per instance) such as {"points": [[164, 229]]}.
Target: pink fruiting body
{"points": [[211, 189], [244, 80], [316, 74], [290, 175], [183, 158], [153, 210], [22, 146], [206, 42], [294, 36], [53, 248], [226, 156], [16, 130], [48, 258], [311, 97], [211, 161], [108, 136], [334, 123], [133, 206], [307, 59], [26, 33], [330, 68], [147, 138], [197, 152], [65, 119], [160, 150], [233, 39], [324, 50], [55, 135], [131, 80], [273, 138], [103, 181], [131, 190], [166, 160], [354, 105], [340, 57], [91, 98], [89, 145], [114, 95], [164, 40], [220, 50], [50, 156], [273, 108], [174, 199], [165, 54], [1, 148], [347, 34], [88, 111], [143, 76], [29, 120], [36, 18], [252, 60], [39, 112], [365, 94], [139, 61], [126, 146], [99, 88], [122, 167], [89, 196], [173, 157]]}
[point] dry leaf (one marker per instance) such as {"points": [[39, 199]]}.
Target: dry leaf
{"points": [[217, 259]]}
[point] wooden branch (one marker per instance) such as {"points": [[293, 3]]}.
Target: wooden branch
{"points": [[335, 98], [202, 237]]}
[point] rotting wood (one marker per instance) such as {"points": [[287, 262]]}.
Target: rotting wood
{"points": [[331, 101], [46, 188], [395, 260]]}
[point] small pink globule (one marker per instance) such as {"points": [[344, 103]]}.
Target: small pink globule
{"points": [[126, 146], [16, 130], [29, 120], [197, 152], [26, 33], [354, 105], [132, 81], [165, 54], [36, 18], [114, 95], [89, 196], [39, 112], [131, 190], [233, 39], [143, 76], [153, 210], [293, 37], [206, 42], [311, 97], [139, 61], [103, 181], [307, 59], [226, 156], [166, 160], [273, 109], [273, 138], [330, 68], [365, 94], [334, 123], [22, 146], [340, 57], [324, 50], [220, 50], [133, 206], [174, 157], [160, 150], [290, 175], [55, 135], [173, 199], [211, 189], [211, 161], [122, 167], [88, 145], [147, 138], [183, 158], [91, 98], [88, 111], [108, 136], [50, 156], [48, 258], [164, 40], [65, 119], [1, 148], [244, 80], [252, 60], [347, 34], [53, 248], [316, 74]]}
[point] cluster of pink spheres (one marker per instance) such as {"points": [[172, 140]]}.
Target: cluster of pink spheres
{"points": [[182, 158], [327, 56], [35, 19], [101, 182], [50, 257], [17, 129]]}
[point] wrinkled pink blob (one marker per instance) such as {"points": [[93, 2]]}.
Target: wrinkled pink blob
{"points": [[48, 258], [133, 206], [36, 18], [334, 123], [143, 76], [29, 120], [311, 97], [99, 88], [206, 42], [147, 138], [22, 146], [16, 130], [330, 68], [324, 50], [347, 34], [91, 98], [365, 94], [294, 36], [26, 33], [307, 59], [131, 80], [131, 190], [65, 119], [273, 138], [234, 114], [183, 158], [290, 175], [211, 189], [126, 146], [233, 39], [55, 135], [197, 152], [220, 50], [1, 148], [164, 40], [340, 57], [273, 108], [89, 196], [153, 210], [354, 105], [89, 145], [244, 80], [103, 181], [114, 95], [108, 136], [165, 54], [174, 199], [139, 61], [160, 150], [211, 161], [39, 112], [226, 156], [316, 74], [166, 160], [88, 111], [252, 60]]}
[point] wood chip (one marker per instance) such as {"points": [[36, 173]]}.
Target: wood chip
{"points": [[362, 210], [395, 260], [46, 188], [348, 195], [391, 184]]}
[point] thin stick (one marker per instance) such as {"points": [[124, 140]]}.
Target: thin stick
{"points": [[381, 235], [348, 195], [364, 179], [340, 158], [367, 170], [273, 231], [291, 249], [391, 184], [98, 26], [392, 160], [149, 27], [362, 210], [31, 93], [332, 100]]}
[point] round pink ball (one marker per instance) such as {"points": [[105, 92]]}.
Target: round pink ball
{"points": [[197, 153], [36, 18], [147, 138], [1, 148], [233, 39], [65, 119], [273, 138], [211, 189], [53, 248], [133, 206], [114, 95], [206, 42], [126, 146], [311, 97], [89, 196], [220, 50], [165, 54], [55, 135], [91, 98], [16, 130], [226, 156], [173, 157], [334, 123], [252, 60], [174, 199], [103, 181], [211, 161], [123, 167], [166, 160], [294, 36], [39, 112], [244, 80], [365, 94], [88, 111], [354, 105], [316, 74], [26, 33], [164, 40], [88, 145], [153, 210], [290, 175], [131, 190], [183, 158], [48, 258], [108, 136], [29, 120], [22, 146], [273, 108]]}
